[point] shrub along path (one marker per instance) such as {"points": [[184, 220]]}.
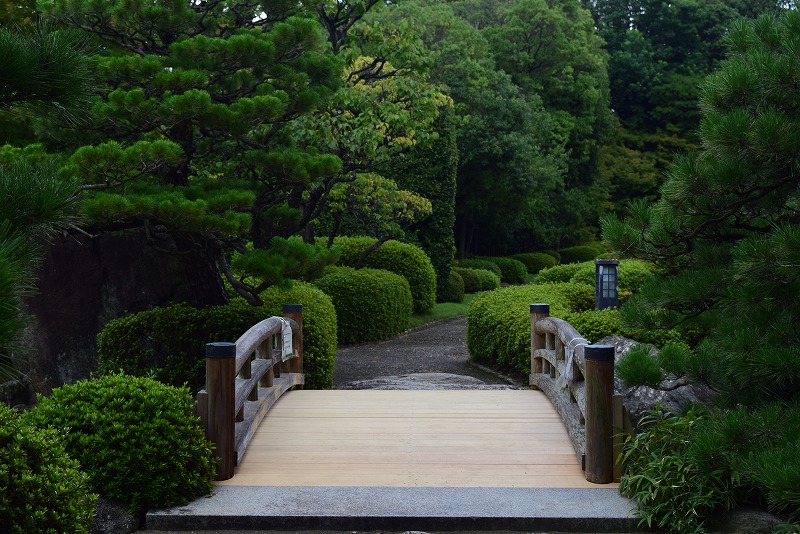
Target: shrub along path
{"points": [[438, 347]]}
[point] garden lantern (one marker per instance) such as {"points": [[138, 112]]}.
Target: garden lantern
{"points": [[607, 286]]}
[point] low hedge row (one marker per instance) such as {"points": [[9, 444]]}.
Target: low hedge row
{"points": [[479, 263], [535, 261], [454, 290], [169, 342], [511, 271], [498, 322], [371, 304], [404, 259], [632, 274]]}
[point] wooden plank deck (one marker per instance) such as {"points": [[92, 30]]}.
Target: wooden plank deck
{"points": [[476, 438]]}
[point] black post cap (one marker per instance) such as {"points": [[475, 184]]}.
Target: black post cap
{"points": [[599, 352], [540, 308], [292, 308], [221, 349]]}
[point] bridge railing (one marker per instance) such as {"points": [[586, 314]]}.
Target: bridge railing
{"points": [[578, 378], [245, 379]]}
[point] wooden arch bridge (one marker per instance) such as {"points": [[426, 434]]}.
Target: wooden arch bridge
{"points": [[562, 433]]}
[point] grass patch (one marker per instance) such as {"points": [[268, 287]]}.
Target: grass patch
{"points": [[443, 310]]}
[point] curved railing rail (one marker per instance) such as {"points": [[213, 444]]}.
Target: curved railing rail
{"points": [[245, 379], [578, 378]]}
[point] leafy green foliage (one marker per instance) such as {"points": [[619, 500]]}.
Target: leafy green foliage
{"points": [[673, 490], [471, 279], [455, 289], [137, 439], [632, 274], [481, 263], [511, 271], [594, 325], [578, 254], [44, 490], [404, 259], [169, 343], [498, 322], [488, 279], [535, 261], [371, 304]]}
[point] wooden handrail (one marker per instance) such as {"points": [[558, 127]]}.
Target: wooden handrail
{"points": [[244, 380], [578, 379]]}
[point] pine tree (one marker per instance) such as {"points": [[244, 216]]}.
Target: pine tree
{"points": [[726, 228]]}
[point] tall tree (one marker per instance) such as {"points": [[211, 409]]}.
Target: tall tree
{"points": [[42, 72], [726, 228], [227, 122]]}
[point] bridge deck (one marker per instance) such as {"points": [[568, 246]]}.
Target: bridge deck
{"points": [[475, 438]]}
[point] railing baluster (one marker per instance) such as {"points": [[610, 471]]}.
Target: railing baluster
{"points": [[221, 390]]}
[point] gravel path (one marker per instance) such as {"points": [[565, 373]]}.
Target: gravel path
{"points": [[439, 347]]}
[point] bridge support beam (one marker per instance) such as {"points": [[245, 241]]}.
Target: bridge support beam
{"points": [[538, 341], [599, 413]]}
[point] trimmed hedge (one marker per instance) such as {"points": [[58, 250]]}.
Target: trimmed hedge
{"points": [[488, 279], [406, 260], [137, 439], [632, 274], [169, 342], [579, 254], [43, 489], [478, 263], [454, 291], [472, 282], [511, 271], [594, 325], [371, 304], [535, 261], [498, 322]]}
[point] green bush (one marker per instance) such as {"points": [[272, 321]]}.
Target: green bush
{"points": [[672, 489], [511, 271], [472, 282], [498, 322], [535, 261], [579, 254], [554, 254], [371, 304], [478, 263], [454, 291], [136, 438], [169, 343], [42, 489], [558, 273], [632, 274], [406, 260], [488, 279], [594, 325]]}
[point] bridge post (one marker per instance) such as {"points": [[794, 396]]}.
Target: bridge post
{"points": [[221, 391], [295, 312], [538, 311], [599, 380]]}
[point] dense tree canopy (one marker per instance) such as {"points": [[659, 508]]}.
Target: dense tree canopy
{"points": [[230, 122]]}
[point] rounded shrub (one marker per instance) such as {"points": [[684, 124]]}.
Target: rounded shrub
{"points": [[535, 261], [511, 271], [472, 282], [489, 279], [558, 273], [579, 254], [498, 323], [136, 438], [454, 290], [371, 304], [409, 261], [480, 263], [594, 325], [43, 489], [554, 254], [169, 343]]}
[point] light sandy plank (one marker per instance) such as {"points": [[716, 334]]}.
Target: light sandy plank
{"points": [[411, 438]]}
